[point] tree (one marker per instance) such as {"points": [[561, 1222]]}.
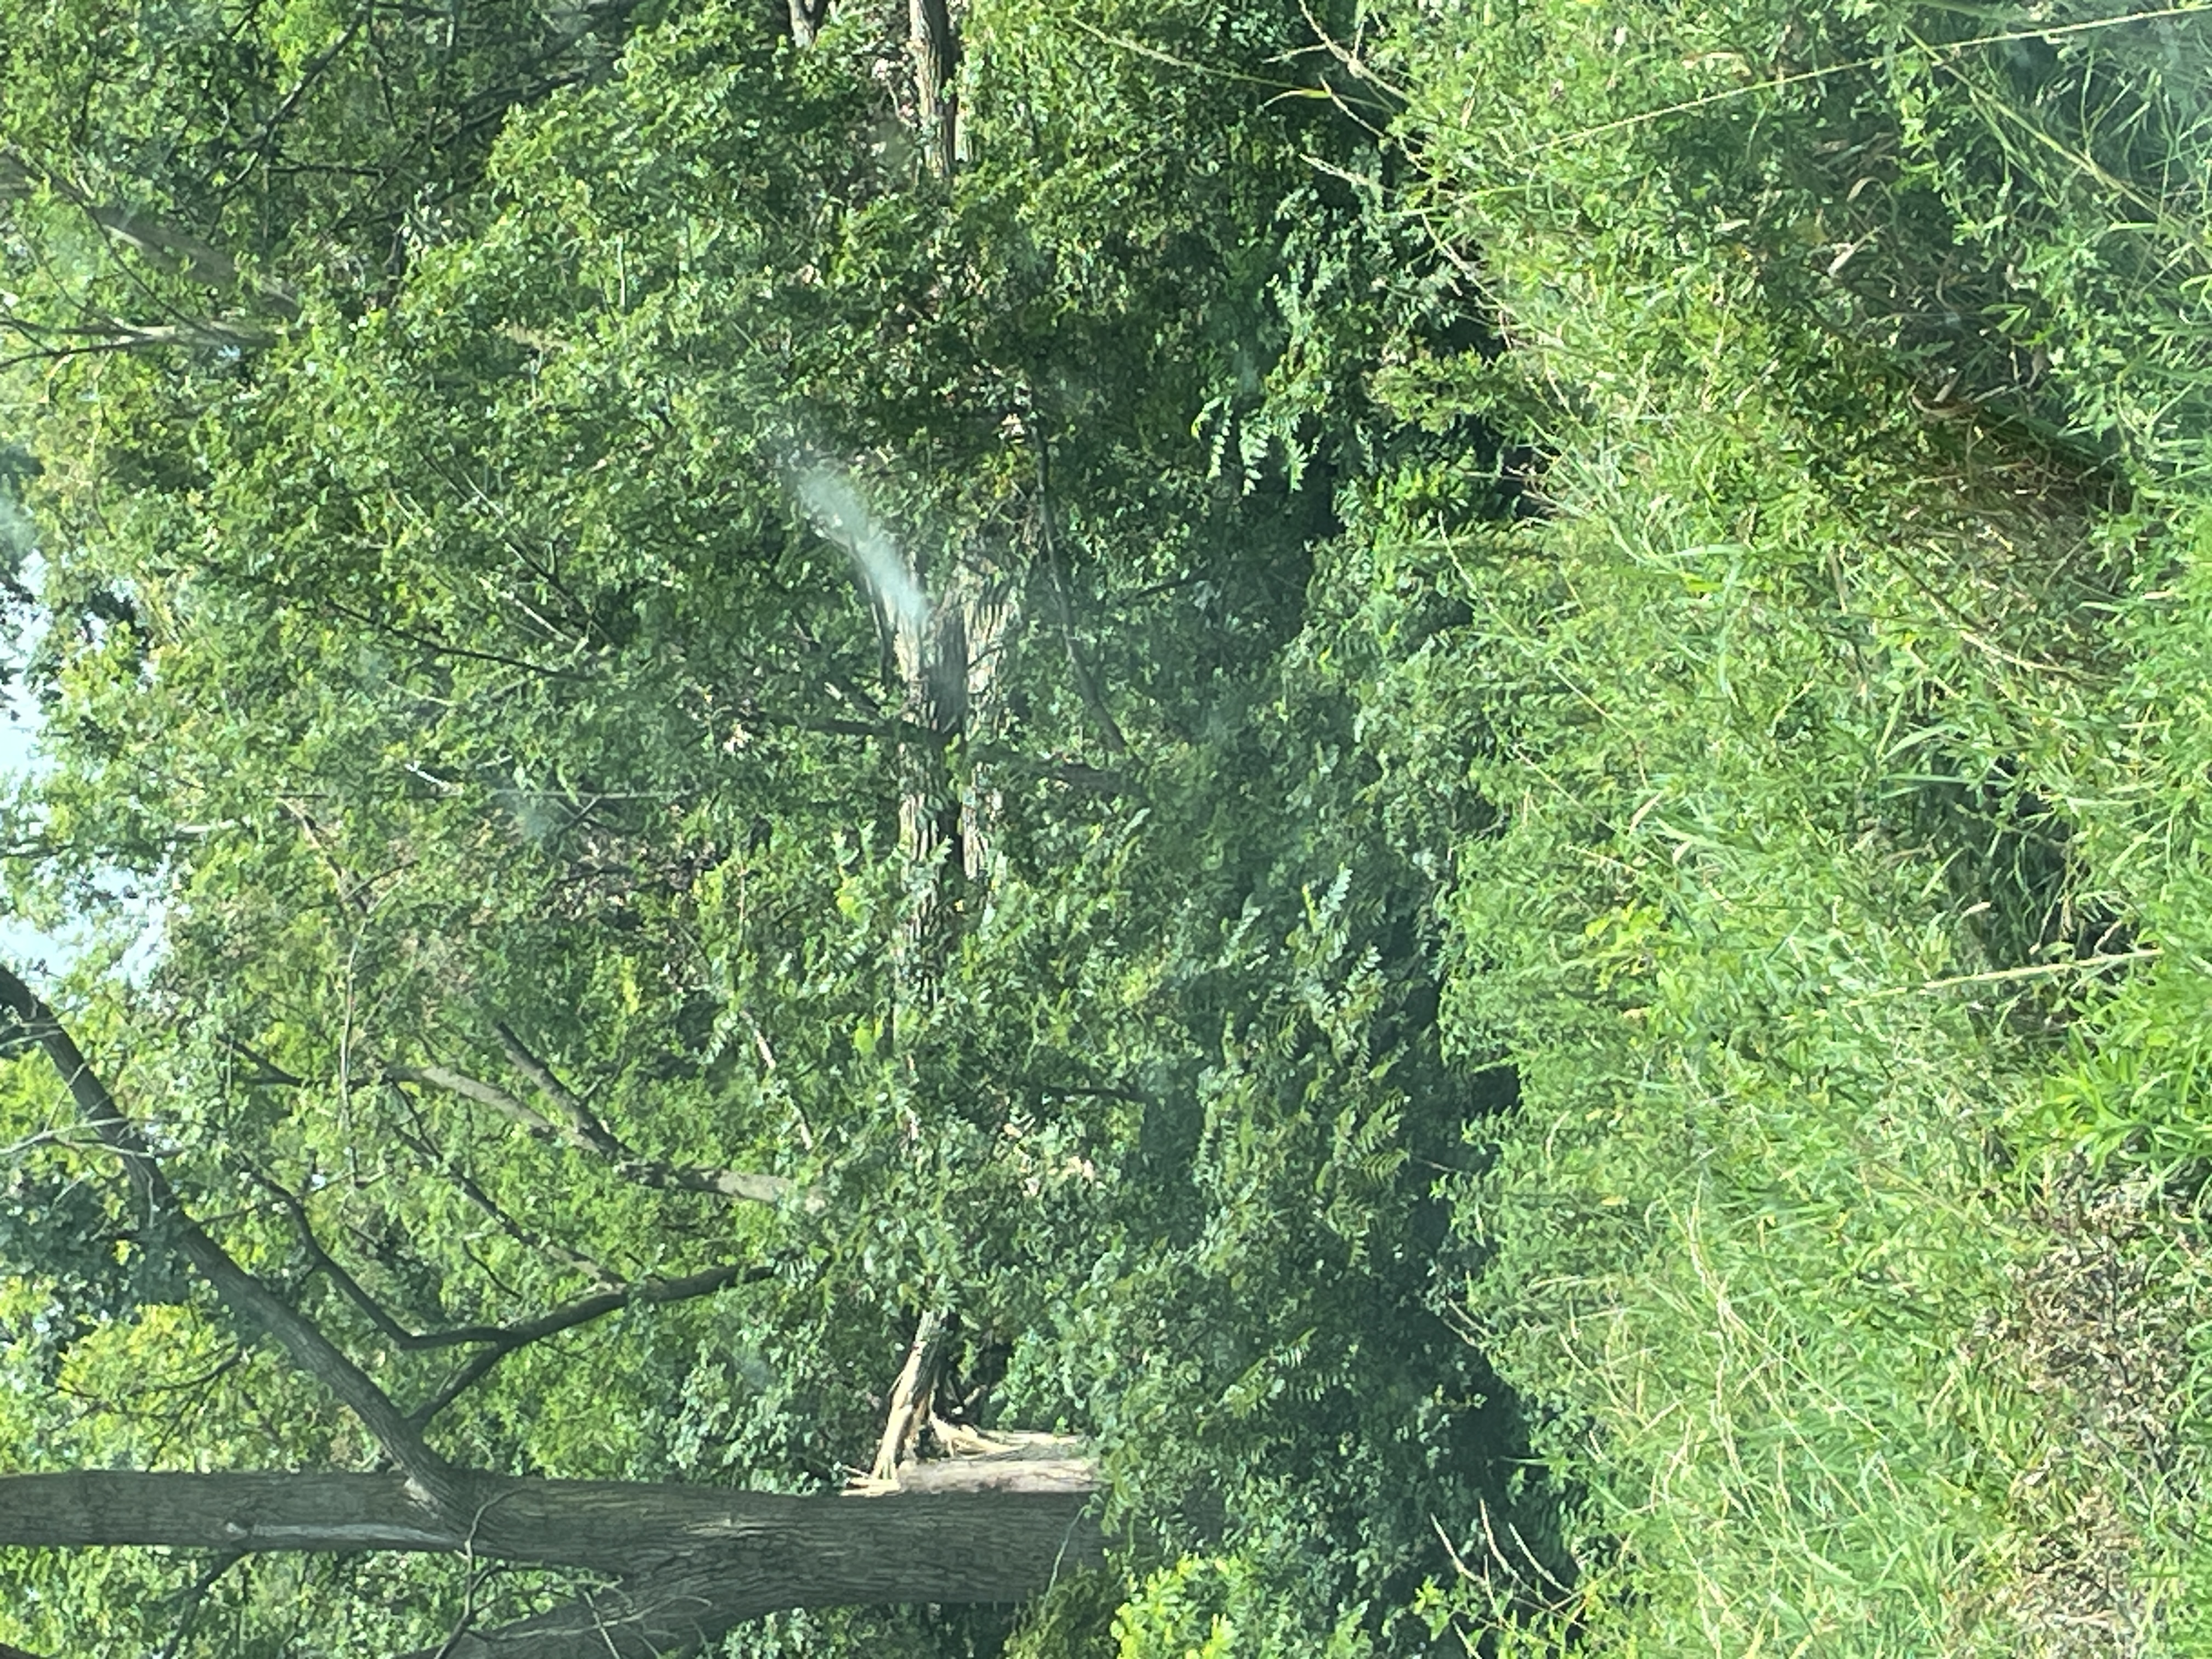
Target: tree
{"points": [[753, 665], [688, 1563], [180, 177]]}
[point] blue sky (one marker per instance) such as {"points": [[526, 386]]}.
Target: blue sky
{"points": [[21, 946]]}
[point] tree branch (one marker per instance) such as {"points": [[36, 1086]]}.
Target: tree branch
{"points": [[189, 1608], [581, 1122], [936, 61], [416, 1134], [629, 1621], [806, 19], [499, 1340], [164, 245], [397, 1334], [649, 1292], [249, 1301], [584, 1132]]}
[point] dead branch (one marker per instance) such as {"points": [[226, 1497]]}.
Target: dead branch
{"points": [[583, 1131]]}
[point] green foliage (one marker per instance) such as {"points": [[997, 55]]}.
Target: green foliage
{"points": [[466, 663], [1215, 1608], [1599, 748], [1793, 752]]}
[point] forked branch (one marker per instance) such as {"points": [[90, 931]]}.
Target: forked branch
{"points": [[498, 1341], [249, 1301]]}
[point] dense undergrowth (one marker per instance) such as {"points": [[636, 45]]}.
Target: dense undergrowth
{"points": [[1834, 706]]}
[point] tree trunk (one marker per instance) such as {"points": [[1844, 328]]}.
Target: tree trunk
{"points": [[936, 51], [688, 1563], [725, 1556]]}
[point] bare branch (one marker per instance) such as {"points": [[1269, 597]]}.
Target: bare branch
{"points": [[647, 1292], [581, 1122]]}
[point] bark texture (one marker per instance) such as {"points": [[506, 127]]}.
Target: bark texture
{"points": [[936, 61], [816, 1551], [689, 1562]]}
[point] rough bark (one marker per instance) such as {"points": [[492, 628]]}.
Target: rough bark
{"points": [[693, 1562], [936, 62], [974, 1545], [841, 1549]]}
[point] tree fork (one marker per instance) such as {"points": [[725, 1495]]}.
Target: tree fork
{"points": [[445, 1488]]}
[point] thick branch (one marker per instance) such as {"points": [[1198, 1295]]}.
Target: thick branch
{"points": [[393, 1332], [649, 1292], [581, 1121], [766, 1550], [251, 1301], [162, 244], [993, 1546]]}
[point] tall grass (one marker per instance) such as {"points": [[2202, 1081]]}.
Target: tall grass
{"points": [[1839, 712]]}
